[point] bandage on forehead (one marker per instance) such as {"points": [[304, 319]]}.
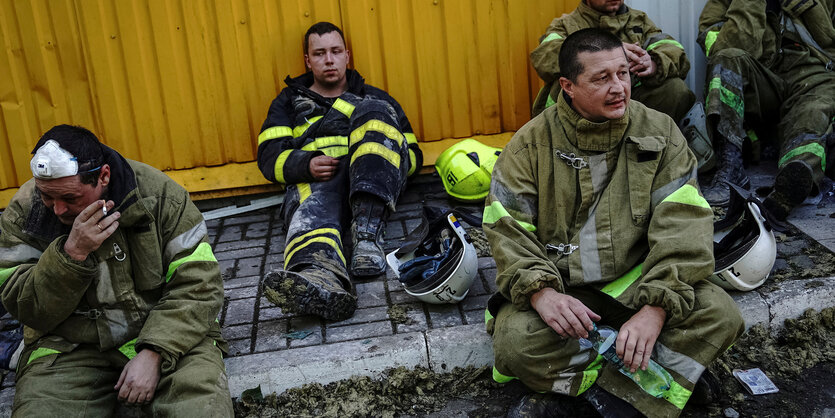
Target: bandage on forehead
{"points": [[53, 162]]}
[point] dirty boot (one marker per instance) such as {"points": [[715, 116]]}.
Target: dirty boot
{"points": [[546, 405], [314, 291], [707, 389], [608, 405], [792, 185], [367, 257], [730, 170]]}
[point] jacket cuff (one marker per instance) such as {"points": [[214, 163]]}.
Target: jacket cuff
{"points": [[301, 161], [522, 292], [169, 360], [677, 304]]}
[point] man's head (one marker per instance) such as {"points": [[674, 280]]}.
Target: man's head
{"points": [[69, 170], [608, 7], [326, 56], [595, 74]]}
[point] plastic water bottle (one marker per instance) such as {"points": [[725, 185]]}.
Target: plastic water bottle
{"points": [[654, 380]]}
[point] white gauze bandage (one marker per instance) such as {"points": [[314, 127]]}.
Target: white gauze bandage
{"points": [[53, 162]]}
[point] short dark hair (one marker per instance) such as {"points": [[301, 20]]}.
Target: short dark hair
{"points": [[320, 29], [584, 40], [82, 144]]}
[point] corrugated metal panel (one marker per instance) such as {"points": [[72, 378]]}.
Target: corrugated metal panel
{"points": [[186, 83]]}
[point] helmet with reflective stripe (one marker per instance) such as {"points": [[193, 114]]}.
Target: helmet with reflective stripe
{"points": [[465, 169]]}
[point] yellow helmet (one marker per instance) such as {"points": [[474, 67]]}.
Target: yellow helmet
{"points": [[465, 169]]}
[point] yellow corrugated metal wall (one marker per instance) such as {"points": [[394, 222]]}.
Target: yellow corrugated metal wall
{"points": [[185, 84]]}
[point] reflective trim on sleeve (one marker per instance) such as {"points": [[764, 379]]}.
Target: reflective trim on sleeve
{"points": [[487, 316], [203, 252], [665, 42], [301, 129], [274, 133], [616, 287], [185, 241], [41, 352], [687, 195], [304, 191], [343, 107], [279, 165], [377, 126], [684, 365], [496, 211], [380, 150], [727, 97], [332, 146], [710, 39], [677, 395], [411, 138], [412, 162], [813, 148], [662, 192], [498, 377], [550, 37], [129, 349], [6, 273], [20, 253], [591, 374]]}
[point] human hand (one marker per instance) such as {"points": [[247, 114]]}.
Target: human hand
{"points": [[640, 62], [322, 167], [90, 228], [139, 378], [565, 314], [637, 336]]}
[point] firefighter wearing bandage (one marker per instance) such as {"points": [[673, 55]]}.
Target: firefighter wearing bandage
{"points": [[344, 149]]}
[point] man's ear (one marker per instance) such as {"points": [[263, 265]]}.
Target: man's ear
{"points": [[104, 175], [567, 86], [306, 62]]}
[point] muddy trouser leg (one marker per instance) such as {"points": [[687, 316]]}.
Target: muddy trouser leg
{"points": [[672, 97], [527, 349]]}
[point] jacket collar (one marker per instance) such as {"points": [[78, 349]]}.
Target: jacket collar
{"points": [[586, 10], [587, 135], [302, 83]]}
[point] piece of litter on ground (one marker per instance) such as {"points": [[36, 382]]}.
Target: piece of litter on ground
{"points": [[298, 335], [755, 381]]}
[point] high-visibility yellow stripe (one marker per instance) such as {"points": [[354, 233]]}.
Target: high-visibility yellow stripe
{"points": [[411, 138], [304, 191], [279, 165], [710, 39], [377, 126], [496, 211], [343, 107], [664, 42], [129, 349], [326, 240], [335, 152], [412, 164], [487, 316], [618, 286], [41, 352], [380, 150], [274, 132], [687, 195], [301, 129], [320, 231], [813, 148], [551, 37], [591, 374], [728, 97], [203, 252], [498, 377], [677, 395], [6, 273], [326, 141]]}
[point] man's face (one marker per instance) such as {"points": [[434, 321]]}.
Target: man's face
{"points": [[68, 196], [327, 58], [605, 6], [602, 90]]}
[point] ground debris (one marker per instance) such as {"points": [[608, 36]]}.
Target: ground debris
{"points": [[482, 247], [397, 313]]}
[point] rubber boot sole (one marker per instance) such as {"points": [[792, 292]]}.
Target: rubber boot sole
{"points": [[725, 201], [293, 292], [793, 183]]}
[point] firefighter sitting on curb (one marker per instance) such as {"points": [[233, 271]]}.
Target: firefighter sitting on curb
{"points": [[106, 263], [594, 216], [770, 62], [344, 149]]}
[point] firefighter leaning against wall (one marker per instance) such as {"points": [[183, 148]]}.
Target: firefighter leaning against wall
{"points": [[658, 61], [770, 63], [344, 149]]}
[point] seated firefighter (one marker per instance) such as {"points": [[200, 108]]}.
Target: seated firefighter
{"points": [[106, 262], [594, 216], [656, 60], [344, 149], [770, 63]]}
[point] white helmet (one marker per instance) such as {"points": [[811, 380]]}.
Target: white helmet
{"points": [[440, 266], [743, 246]]}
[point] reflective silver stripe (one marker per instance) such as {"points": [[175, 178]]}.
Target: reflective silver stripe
{"points": [[104, 288], [186, 240], [662, 192], [589, 255], [20, 254], [581, 358], [685, 366]]}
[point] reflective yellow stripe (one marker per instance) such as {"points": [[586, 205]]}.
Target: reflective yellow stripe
{"points": [[203, 252], [380, 150], [343, 107], [325, 240], [274, 132], [41, 352], [411, 138], [279, 165], [320, 231], [752, 136], [813, 148], [129, 349], [496, 211], [550, 101], [710, 39], [412, 164], [377, 126], [301, 129], [500, 378], [591, 374], [487, 316], [6, 273], [677, 395], [551, 37], [664, 42], [726, 96], [687, 195], [326, 141], [304, 191], [619, 285]]}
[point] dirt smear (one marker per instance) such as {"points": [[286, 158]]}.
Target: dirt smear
{"points": [[482, 247], [397, 313]]}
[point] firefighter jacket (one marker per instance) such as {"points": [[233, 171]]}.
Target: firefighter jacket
{"points": [[763, 28], [576, 203], [630, 25], [296, 130], [153, 283]]}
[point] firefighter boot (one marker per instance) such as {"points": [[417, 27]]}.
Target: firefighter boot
{"points": [[367, 257], [792, 185], [730, 170], [314, 290]]}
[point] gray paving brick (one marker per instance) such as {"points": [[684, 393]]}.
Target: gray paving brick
{"points": [[227, 269], [364, 315], [445, 315], [394, 285], [238, 254], [213, 224], [477, 288], [239, 245], [260, 216], [242, 293], [277, 243], [489, 276], [8, 380], [271, 312], [474, 317], [241, 282], [486, 263], [257, 230], [237, 332], [212, 233], [371, 294], [240, 347], [271, 336], [473, 303], [306, 324], [353, 332], [416, 320], [273, 262], [401, 297], [230, 233], [239, 311], [250, 266]]}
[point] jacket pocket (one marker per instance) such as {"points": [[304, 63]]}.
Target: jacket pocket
{"points": [[146, 259], [643, 155]]}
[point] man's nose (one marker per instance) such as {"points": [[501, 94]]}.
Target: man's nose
{"points": [[329, 57], [59, 208]]}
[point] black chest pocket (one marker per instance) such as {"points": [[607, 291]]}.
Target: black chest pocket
{"points": [[643, 156]]}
